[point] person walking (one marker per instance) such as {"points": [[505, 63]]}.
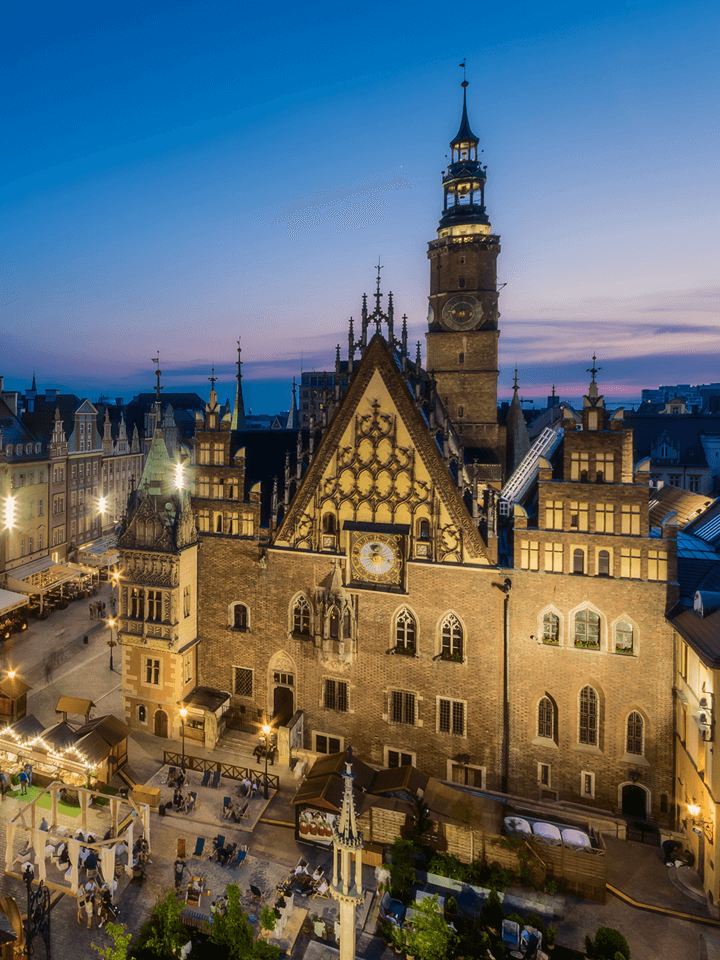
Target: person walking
{"points": [[4, 783], [28, 771], [91, 608], [23, 778], [179, 870], [90, 910]]}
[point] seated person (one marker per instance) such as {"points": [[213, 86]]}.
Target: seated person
{"points": [[217, 847], [43, 824], [301, 868], [177, 798], [91, 862], [317, 873], [226, 854]]}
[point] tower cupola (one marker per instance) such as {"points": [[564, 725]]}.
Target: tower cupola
{"points": [[464, 179]]}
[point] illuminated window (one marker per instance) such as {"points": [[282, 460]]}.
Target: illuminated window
{"points": [[631, 520], [529, 555], [579, 466], [578, 516], [551, 628], [657, 565], [605, 467], [604, 518], [553, 514], [578, 561], [240, 617], [624, 637], [630, 563], [603, 563], [152, 671], [553, 558]]}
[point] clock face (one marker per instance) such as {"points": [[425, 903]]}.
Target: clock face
{"points": [[461, 313], [376, 558]]}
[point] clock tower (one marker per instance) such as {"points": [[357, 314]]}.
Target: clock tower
{"points": [[462, 337]]}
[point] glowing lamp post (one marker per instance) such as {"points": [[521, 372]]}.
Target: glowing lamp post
{"points": [[111, 642], [183, 714], [266, 730]]}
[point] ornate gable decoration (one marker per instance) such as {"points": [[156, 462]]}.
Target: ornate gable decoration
{"points": [[378, 463]]}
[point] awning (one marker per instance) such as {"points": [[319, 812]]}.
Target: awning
{"points": [[101, 553], [74, 705], [40, 581], [10, 601]]}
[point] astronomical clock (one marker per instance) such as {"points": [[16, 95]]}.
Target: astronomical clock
{"points": [[377, 555]]}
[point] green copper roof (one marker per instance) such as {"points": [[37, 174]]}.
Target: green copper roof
{"points": [[157, 473]]}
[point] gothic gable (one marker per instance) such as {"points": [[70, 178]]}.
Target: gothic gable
{"points": [[379, 464]]}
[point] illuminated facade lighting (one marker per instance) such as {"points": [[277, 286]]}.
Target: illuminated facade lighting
{"points": [[9, 512]]}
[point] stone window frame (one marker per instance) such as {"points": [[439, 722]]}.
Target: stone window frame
{"points": [[231, 617], [299, 597], [550, 608], [327, 737], [475, 767], [411, 754], [334, 697], [452, 701], [598, 717], [395, 646], [540, 737], [415, 722], [544, 775], [628, 756], [604, 632], [611, 561], [584, 792], [452, 657], [625, 618]]}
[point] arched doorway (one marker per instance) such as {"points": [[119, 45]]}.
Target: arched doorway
{"points": [[161, 724], [634, 801], [283, 706]]}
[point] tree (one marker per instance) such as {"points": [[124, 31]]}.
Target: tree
{"points": [[167, 933], [491, 913], [430, 937], [402, 870], [233, 932], [119, 949], [267, 918]]}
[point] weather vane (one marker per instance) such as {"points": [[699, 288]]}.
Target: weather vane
{"points": [[593, 369], [158, 374], [213, 378]]}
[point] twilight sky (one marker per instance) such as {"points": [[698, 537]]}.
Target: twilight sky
{"points": [[178, 174]]}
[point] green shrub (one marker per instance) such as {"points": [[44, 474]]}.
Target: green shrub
{"points": [[516, 918], [491, 913], [535, 920], [550, 936], [447, 865], [608, 943], [402, 869]]}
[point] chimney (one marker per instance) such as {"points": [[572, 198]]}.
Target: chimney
{"points": [[118, 401]]}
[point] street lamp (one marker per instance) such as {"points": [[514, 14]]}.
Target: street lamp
{"points": [[111, 643], [183, 714], [266, 730]]}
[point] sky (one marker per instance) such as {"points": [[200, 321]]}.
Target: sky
{"points": [[178, 175]]}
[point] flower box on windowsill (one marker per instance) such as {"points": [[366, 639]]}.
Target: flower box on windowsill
{"points": [[451, 657], [587, 644], [404, 651], [551, 642], [625, 651]]}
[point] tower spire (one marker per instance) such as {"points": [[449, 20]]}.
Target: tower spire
{"points": [[238, 417]]}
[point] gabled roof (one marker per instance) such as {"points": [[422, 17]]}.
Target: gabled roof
{"points": [[334, 763], [112, 730], [377, 358], [687, 505]]}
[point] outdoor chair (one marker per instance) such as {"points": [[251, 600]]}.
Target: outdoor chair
{"points": [[323, 891], [171, 776], [191, 802], [199, 846], [533, 945], [256, 891], [239, 857], [390, 909], [206, 779], [511, 934], [216, 779], [218, 844]]}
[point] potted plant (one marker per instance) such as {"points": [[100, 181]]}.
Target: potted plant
{"points": [[451, 907], [268, 919], [491, 913], [398, 939], [305, 822], [550, 938]]}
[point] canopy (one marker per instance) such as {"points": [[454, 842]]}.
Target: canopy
{"points": [[576, 838], [41, 577], [10, 601], [517, 826]]}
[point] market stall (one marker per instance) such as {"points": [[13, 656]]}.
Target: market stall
{"points": [[50, 584], [13, 613]]}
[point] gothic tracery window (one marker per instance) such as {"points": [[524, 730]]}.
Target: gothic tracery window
{"points": [[405, 632], [546, 719], [301, 617], [452, 638]]}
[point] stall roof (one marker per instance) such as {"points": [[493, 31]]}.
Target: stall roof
{"points": [[112, 730], [206, 698], [74, 705], [461, 805], [60, 735], [399, 778], [10, 601], [93, 747], [13, 687], [334, 763], [26, 729]]}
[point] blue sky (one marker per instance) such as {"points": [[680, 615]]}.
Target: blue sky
{"points": [[179, 174]]}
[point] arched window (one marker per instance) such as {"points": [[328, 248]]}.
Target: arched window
{"points": [[551, 628], [141, 714], [578, 561], [603, 563], [634, 742], [329, 523], [623, 637], [587, 629], [334, 624], [423, 529], [546, 719], [240, 617], [218, 523], [301, 617], [452, 638], [588, 729], [405, 632]]}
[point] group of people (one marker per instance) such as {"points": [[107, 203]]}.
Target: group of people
{"points": [[248, 788], [25, 778], [223, 852], [96, 900], [98, 610]]}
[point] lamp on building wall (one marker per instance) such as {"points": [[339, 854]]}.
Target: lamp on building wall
{"points": [[694, 817], [179, 476], [9, 518]]}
